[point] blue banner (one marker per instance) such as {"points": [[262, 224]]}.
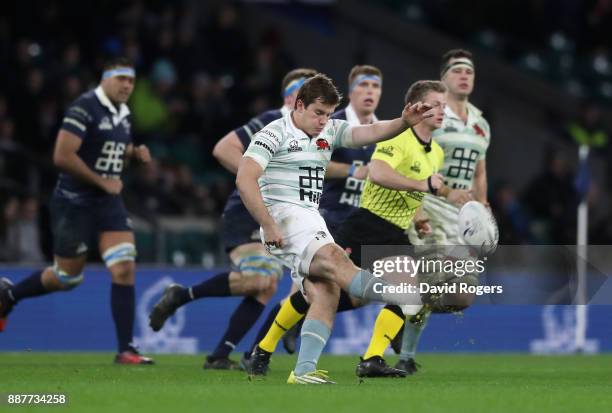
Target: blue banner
{"points": [[81, 320]]}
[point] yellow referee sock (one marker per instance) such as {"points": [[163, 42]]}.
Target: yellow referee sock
{"points": [[388, 324], [286, 318]]}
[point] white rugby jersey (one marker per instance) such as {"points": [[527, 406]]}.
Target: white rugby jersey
{"points": [[464, 144], [294, 164]]}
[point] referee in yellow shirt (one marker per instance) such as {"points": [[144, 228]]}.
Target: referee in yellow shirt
{"points": [[401, 171]]}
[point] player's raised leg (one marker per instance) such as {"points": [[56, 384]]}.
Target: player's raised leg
{"points": [[72, 229], [66, 274]]}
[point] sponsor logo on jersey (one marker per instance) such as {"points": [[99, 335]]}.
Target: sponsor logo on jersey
{"points": [[263, 145], [387, 150], [320, 235], [322, 145], [417, 196], [416, 167], [450, 129], [105, 124], [270, 134], [82, 248], [294, 146]]}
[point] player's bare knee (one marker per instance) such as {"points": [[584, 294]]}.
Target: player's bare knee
{"points": [[257, 272], [123, 273], [265, 295], [271, 289], [323, 291], [327, 261], [254, 285]]}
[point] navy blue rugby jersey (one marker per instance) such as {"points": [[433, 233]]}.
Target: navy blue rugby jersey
{"points": [[341, 195], [106, 134]]}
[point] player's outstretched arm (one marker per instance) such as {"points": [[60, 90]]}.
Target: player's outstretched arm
{"points": [[249, 171], [387, 129], [66, 158], [228, 151], [381, 173], [342, 170]]}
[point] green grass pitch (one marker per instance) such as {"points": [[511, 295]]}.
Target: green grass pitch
{"points": [[447, 383]]}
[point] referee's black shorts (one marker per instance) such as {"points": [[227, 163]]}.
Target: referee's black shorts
{"points": [[365, 228]]}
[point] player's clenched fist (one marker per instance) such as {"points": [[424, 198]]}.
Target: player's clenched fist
{"points": [[142, 154], [272, 236], [112, 186]]}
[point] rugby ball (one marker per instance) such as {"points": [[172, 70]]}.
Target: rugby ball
{"points": [[478, 228]]}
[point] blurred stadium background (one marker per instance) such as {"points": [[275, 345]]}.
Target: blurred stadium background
{"points": [[204, 68]]}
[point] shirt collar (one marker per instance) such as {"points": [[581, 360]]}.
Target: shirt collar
{"points": [[294, 130], [297, 132], [105, 101], [353, 119], [473, 113], [284, 110]]}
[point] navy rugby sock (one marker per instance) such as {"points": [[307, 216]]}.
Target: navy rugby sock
{"points": [[31, 286], [243, 318], [217, 286], [122, 307]]}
